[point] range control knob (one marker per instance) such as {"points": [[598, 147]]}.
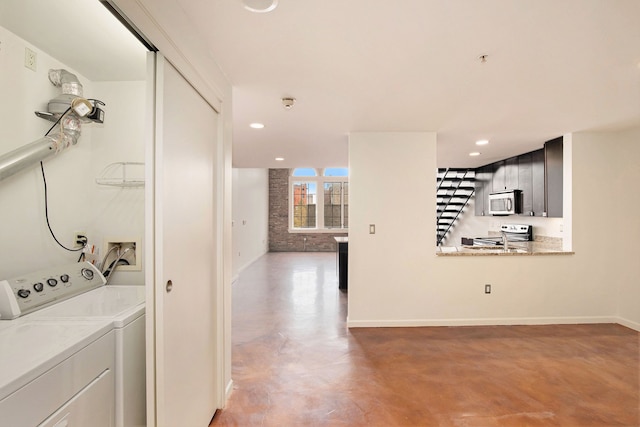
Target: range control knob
{"points": [[87, 273], [24, 293], [52, 282], [38, 287], [64, 278]]}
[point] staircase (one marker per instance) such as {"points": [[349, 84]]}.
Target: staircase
{"points": [[455, 188]]}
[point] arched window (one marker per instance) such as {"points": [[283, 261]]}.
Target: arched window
{"points": [[336, 172], [319, 201], [304, 172]]}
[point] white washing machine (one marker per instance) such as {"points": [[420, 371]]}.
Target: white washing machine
{"points": [[65, 320]]}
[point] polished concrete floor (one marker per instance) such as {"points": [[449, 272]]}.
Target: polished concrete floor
{"points": [[296, 364]]}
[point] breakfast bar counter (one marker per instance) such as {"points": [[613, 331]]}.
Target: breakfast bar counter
{"points": [[535, 248]]}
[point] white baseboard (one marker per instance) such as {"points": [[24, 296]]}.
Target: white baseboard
{"points": [[483, 322], [247, 264], [629, 324], [228, 389]]}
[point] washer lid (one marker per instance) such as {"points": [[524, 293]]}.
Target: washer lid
{"points": [[104, 302]]}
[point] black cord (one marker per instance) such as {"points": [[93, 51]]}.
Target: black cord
{"points": [[112, 267], [57, 121], [46, 201], [46, 215]]}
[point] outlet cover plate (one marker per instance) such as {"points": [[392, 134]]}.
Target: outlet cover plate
{"points": [[30, 59]]}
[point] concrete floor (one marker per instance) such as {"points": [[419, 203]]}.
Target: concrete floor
{"points": [[296, 364]]}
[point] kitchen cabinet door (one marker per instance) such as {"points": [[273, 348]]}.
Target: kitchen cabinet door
{"points": [[537, 180], [505, 175], [499, 178], [511, 174], [525, 182], [483, 186], [553, 177]]}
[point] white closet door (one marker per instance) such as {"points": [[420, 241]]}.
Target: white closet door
{"points": [[185, 252]]}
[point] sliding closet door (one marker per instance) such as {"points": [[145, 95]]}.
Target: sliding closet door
{"points": [[185, 252]]}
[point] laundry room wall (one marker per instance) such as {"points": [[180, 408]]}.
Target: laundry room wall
{"points": [[25, 241], [118, 211], [76, 203]]}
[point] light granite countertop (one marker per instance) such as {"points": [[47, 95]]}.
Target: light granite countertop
{"points": [[538, 247]]}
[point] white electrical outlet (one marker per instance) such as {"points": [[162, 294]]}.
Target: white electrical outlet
{"points": [[30, 59]]}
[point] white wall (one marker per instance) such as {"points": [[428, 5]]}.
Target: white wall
{"points": [[117, 212], [608, 222], [250, 213], [395, 278], [75, 202], [25, 241]]}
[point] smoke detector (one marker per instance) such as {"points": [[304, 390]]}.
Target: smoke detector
{"points": [[287, 103]]}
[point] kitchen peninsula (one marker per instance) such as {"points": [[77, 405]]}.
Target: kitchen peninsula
{"points": [[541, 246]]}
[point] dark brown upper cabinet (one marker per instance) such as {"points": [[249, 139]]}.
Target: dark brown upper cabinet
{"points": [[538, 174], [553, 177]]}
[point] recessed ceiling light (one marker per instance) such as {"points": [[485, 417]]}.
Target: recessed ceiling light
{"points": [[256, 125], [279, 159], [475, 153], [482, 142], [260, 6]]}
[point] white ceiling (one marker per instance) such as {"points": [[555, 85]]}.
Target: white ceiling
{"points": [[554, 66], [82, 34]]}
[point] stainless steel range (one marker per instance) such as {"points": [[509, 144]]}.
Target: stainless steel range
{"points": [[510, 232]]}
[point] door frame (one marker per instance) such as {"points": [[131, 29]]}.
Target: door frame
{"points": [[165, 25]]}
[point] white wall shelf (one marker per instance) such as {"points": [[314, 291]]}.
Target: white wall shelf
{"points": [[122, 174]]}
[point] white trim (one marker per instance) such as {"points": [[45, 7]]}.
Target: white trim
{"points": [[227, 391], [628, 323], [484, 322], [319, 230], [163, 24], [319, 180], [247, 264]]}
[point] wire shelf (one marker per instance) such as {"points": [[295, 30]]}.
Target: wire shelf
{"points": [[122, 174]]}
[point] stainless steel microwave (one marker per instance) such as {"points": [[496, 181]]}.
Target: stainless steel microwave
{"points": [[505, 203]]}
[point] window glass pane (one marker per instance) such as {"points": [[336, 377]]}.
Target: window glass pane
{"points": [[333, 205], [304, 204], [345, 213], [304, 172], [336, 172]]}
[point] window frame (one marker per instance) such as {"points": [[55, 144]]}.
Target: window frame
{"points": [[319, 179]]}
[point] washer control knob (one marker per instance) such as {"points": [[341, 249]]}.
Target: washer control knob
{"points": [[64, 278], [38, 287], [52, 282], [87, 273], [24, 293]]}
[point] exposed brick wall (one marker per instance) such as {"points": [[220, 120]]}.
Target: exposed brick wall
{"points": [[280, 240]]}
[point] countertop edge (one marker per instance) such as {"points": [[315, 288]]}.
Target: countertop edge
{"points": [[474, 253]]}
